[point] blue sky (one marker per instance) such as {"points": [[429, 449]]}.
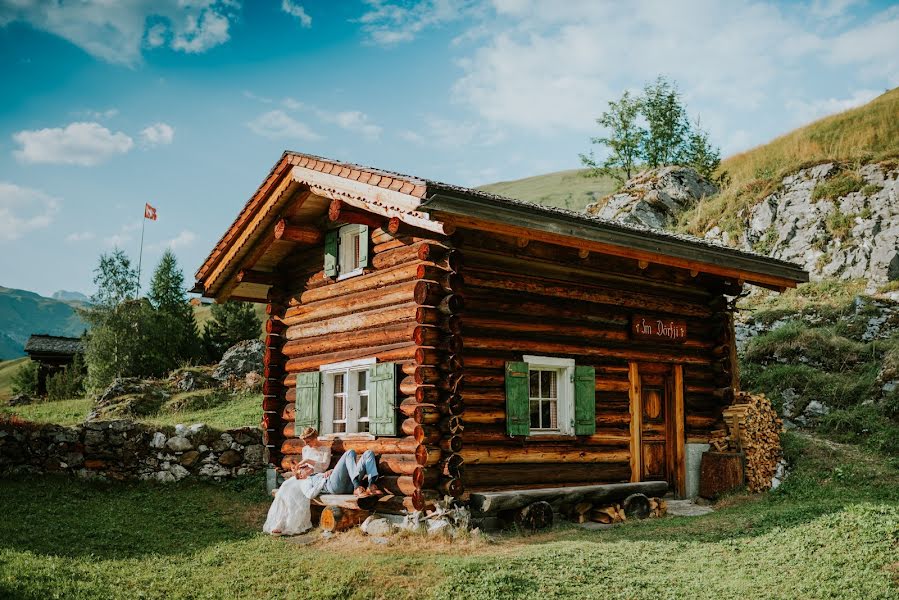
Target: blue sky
{"points": [[186, 105]]}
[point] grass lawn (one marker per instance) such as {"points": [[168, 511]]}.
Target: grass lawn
{"points": [[228, 411], [832, 531]]}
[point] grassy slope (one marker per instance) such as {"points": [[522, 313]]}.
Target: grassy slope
{"points": [[830, 531], [7, 370], [563, 189], [218, 410], [23, 313], [864, 134]]}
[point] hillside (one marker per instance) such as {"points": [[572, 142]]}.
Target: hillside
{"points": [[23, 313], [562, 189], [867, 134]]}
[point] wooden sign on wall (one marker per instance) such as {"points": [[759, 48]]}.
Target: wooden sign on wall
{"points": [[659, 329]]}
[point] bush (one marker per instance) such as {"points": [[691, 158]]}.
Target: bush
{"points": [[24, 381], [865, 425], [68, 383]]}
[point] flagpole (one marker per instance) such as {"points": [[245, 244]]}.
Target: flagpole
{"points": [[140, 256]]}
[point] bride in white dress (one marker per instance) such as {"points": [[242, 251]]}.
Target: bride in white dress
{"points": [[290, 513]]}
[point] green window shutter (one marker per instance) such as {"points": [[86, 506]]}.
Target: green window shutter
{"points": [[307, 402], [584, 400], [331, 239], [382, 399], [363, 245], [518, 413]]}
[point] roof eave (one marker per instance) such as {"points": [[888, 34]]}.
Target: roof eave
{"points": [[758, 270]]}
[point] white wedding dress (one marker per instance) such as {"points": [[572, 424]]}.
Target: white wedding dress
{"points": [[290, 512]]}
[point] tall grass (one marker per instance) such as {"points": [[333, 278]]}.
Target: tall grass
{"points": [[864, 134]]}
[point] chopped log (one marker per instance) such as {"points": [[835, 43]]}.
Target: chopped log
{"points": [[492, 502], [302, 234], [636, 506], [451, 487], [335, 518], [341, 212], [533, 517], [402, 485], [720, 472], [545, 473]]}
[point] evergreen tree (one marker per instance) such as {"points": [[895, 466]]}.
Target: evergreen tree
{"points": [[231, 322], [700, 154], [667, 124], [116, 280], [175, 335], [624, 140]]}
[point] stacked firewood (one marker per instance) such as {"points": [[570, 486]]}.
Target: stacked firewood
{"points": [[751, 427], [615, 513]]}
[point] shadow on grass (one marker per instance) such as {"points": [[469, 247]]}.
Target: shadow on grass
{"points": [[59, 516]]}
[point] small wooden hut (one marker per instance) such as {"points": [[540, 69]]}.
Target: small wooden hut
{"points": [[476, 342], [52, 353]]}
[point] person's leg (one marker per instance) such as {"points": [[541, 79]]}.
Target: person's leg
{"points": [[340, 481], [369, 466]]}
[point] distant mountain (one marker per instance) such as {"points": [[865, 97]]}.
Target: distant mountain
{"points": [[23, 313], [67, 296]]}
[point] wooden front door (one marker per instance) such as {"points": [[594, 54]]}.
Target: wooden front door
{"points": [[657, 424], [655, 435]]}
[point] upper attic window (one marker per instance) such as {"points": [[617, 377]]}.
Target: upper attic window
{"points": [[346, 251]]}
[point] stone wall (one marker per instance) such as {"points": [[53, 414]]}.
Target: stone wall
{"points": [[122, 450]]}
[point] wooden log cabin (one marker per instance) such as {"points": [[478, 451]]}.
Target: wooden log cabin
{"points": [[476, 342]]}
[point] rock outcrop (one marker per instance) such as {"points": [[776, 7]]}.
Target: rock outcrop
{"points": [[240, 359], [852, 235], [655, 198]]}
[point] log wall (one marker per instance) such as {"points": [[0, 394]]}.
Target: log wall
{"points": [[401, 309], [526, 297]]}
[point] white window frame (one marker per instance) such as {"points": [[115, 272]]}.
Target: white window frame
{"points": [[326, 400], [345, 249], [564, 368]]}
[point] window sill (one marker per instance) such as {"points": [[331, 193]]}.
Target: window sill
{"points": [[359, 271], [550, 437], [346, 436]]}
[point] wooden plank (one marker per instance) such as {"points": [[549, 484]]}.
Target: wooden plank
{"points": [[636, 424], [680, 461], [492, 502]]}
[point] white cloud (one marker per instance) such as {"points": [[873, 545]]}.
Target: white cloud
{"points": [[277, 124], [80, 236], [291, 104], [184, 238], [809, 110], [117, 240], [353, 121], [23, 210], [98, 115], [296, 10], [389, 23], [117, 32], [84, 144], [158, 134], [447, 133], [252, 96]]}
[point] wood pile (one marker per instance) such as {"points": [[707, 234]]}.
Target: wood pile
{"points": [[616, 513], [752, 428]]}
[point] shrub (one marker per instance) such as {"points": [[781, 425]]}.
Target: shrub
{"points": [[24, 381], [838, 186]]}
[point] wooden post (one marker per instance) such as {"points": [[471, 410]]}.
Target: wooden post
{"points": [[636, 409], [680, 460]]}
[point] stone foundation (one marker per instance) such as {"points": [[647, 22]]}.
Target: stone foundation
{"points": [[122, 450]]}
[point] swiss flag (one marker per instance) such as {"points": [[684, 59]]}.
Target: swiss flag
{"points": [[149, 212]]}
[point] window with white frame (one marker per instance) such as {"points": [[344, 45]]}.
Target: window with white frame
{"points": [[551, 395], [350, 250], [344, 407]]}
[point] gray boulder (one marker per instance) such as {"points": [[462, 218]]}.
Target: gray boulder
{"points": [[239, 360], [655, 198]]}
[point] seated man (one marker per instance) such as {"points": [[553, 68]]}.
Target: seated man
{"points": [[347, 476]]}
